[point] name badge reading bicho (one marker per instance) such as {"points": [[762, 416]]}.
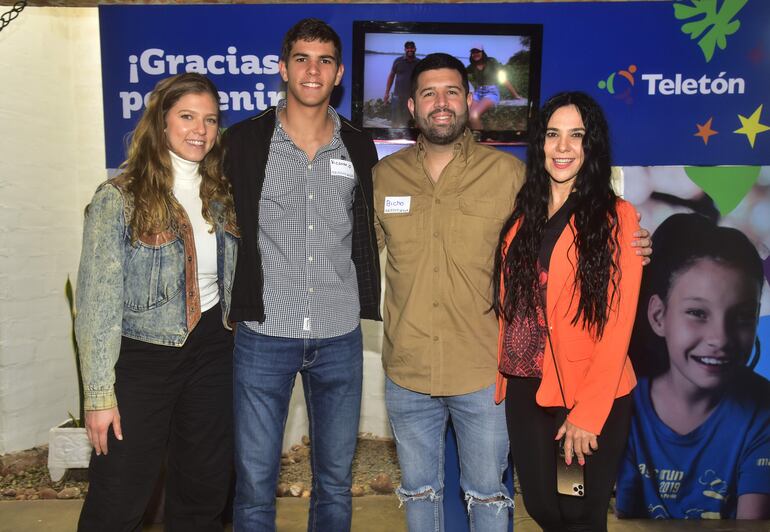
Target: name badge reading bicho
{"points": [[342, 168], [397, 204]]}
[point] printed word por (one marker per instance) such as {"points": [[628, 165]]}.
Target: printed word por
{"points": [[134, 101]]}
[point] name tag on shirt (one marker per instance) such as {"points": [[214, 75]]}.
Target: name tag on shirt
{"points": [[342, 168], [397, 204]]}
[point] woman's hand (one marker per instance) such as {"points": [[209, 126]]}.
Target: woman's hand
{"points": [[577, 440], [642, 242], [98, 424]]}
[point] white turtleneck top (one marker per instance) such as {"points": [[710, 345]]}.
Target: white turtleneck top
{"points": [[187, 184]]}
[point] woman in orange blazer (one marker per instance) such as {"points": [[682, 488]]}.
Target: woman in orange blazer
{"points": [[566, 300]]}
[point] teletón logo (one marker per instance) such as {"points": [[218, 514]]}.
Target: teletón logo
{"points": [[616, 87], [705, 21]]}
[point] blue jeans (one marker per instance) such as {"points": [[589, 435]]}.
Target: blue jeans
{"points": [[419, 423], [264, 371]]}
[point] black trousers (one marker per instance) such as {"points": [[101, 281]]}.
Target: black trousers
{"points": [[531, 430], [175, 404]]}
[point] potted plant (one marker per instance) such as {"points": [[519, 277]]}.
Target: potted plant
{"points": [[68, 444]]}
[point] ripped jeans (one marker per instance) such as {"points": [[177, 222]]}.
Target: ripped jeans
{"points": [[419, 424]]}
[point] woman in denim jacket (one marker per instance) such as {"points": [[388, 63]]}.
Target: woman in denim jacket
{"points": [[159, 250]]}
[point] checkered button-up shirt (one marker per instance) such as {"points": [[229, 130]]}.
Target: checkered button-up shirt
{"points": [[305, 238]]}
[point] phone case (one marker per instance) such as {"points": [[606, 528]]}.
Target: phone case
{"points": [[569, 478]]}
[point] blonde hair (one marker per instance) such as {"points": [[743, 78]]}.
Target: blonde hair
{"points": [[146, 174]]}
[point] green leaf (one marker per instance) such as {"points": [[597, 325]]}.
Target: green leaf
{"points": [[715, 25]]}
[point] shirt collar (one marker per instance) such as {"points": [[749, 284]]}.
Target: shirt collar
{"points": [[463, 146], [330, 111]]}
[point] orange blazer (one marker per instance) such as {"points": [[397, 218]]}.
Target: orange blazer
{"points": [[593, 373]]}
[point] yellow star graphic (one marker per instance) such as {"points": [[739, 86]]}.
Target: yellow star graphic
{"points": [[705, 131], [751, 127]]}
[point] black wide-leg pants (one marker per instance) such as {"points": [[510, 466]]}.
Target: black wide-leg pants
{"points": [[531, 430], [175, 404]]}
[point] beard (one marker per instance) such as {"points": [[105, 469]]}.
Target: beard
{"points": [[442, 134]]}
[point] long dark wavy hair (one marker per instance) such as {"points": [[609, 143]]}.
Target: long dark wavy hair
{"points": [[595, 223]]}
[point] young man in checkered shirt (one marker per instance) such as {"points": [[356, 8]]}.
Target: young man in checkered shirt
{"points": [[307, 272]]}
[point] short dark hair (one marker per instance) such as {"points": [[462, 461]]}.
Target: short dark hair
{"points": [[436, 61], [311, 29], [409, 44]]}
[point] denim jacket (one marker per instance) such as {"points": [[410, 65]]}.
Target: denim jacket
{"points": [[147, 291]]}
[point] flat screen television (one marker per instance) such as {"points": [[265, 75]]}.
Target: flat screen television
{"points": [[503, 61]]}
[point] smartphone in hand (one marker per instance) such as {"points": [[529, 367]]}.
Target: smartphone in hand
{"points": [[569, 478]]}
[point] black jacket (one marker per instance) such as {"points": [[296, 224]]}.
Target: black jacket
{"points": [[247, 145]]}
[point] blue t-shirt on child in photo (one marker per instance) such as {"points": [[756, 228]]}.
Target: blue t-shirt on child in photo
{"points": [[699, 475]]}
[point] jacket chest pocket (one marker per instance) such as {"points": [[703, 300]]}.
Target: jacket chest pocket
{"points": [[154, 273]]}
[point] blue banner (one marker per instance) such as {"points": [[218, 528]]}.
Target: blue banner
{"points": [[682, 83], [685, 86]]}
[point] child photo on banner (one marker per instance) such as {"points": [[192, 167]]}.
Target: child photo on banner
{"points": [[699, 444]]}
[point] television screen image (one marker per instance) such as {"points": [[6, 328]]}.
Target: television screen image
{"points": [[502, 61]]}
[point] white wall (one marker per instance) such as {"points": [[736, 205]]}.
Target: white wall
{"points": [[51, 160], [51, 157]]}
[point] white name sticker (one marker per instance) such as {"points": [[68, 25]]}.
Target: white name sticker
{"points": [[396, 204], [342, 168]]}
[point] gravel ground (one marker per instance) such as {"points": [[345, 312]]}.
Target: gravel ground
{"points": [[375, 467], [24, 475]]}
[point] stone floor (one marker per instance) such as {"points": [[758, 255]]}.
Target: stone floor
{"points": [[370, 514]]}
